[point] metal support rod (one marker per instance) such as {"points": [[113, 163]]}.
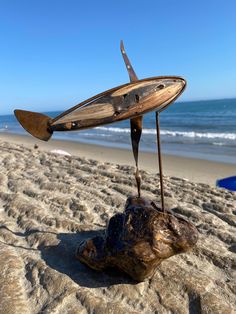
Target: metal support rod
{"points": [[160, 161]]}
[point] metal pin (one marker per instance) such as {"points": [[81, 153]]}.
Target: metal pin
{"points": [[160, 161]]}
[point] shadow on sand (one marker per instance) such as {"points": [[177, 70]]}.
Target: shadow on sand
{"points": [[62, 258]]}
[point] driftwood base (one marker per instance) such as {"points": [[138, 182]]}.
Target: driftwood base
{"points": [[138, 240]]}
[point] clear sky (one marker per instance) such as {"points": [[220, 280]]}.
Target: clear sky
{"points": [[54, 54]]}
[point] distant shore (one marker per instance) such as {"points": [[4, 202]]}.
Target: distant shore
{"points": [[192, 169]]}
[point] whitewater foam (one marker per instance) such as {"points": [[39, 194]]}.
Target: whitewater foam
{"points": [[190, 134]]}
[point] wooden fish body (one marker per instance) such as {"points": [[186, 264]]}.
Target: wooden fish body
{"points": [[120, 103]]}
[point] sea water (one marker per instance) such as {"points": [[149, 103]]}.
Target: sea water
{"points": [[201, 129]]}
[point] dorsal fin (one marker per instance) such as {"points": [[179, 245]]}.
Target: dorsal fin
{"points": [[132, 75]]}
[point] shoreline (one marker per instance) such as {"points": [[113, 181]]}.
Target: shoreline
{"points": [[192, 169]]}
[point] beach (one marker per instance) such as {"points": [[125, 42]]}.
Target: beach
{"points": [[117, 157], [50, 201], [193, 169]]}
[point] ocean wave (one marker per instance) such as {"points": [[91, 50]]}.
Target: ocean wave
{"points": [[190, 134], [111, 129], [207, 135], [218, 143], [124, 130], [92, 134]]}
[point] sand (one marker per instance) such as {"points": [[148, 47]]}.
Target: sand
{"points": [[195, 170], [49, 202]]}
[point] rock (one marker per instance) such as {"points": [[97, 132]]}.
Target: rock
{"points": [[138, 240]]}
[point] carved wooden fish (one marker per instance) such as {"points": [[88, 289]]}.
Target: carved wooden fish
{"points": [[127, 101]]}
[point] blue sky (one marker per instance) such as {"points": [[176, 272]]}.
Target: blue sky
{"points": [[55, 54]]}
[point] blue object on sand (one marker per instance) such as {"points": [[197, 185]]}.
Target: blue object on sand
{"points": [[227, 183]]}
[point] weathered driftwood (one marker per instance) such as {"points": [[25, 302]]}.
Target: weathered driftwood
{"points": [[138, 240]]}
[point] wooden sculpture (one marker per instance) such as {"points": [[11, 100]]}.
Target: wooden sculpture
{"points": [[128, 101], [139, 239]]}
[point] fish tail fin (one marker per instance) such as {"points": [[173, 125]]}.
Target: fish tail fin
{"points": [[36, 124]]}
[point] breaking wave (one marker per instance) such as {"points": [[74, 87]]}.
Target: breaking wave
{"points": [[190, 134]]}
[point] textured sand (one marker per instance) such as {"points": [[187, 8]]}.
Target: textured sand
{"points": [[195, 170], [49, 202]]}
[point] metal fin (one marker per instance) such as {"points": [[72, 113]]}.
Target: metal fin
{"points": [[135, 123], [132, 75], [136, 132], [36, 124]]}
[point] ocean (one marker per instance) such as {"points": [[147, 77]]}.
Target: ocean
{"points": [[199, 129]]}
